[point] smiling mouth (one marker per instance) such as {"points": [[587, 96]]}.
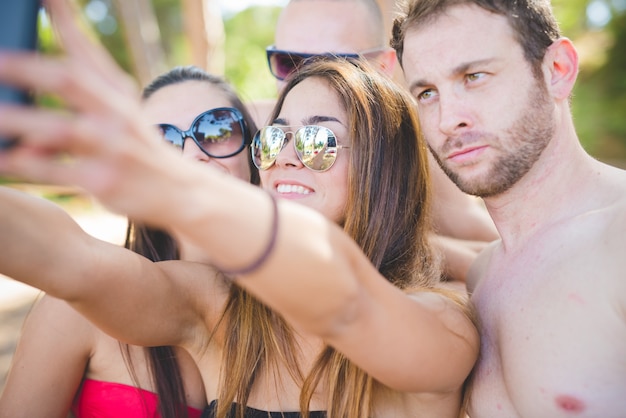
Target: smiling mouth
{"points": [[292, 189]]}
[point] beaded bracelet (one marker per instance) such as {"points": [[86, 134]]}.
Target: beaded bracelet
{"points": [[268, 248]]}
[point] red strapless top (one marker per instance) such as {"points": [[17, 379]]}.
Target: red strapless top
{"points": [[98, 399]]}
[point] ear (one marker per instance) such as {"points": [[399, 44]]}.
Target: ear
{"points": [[387, 61], [561, 68]]}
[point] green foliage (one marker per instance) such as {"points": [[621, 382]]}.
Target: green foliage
{"points": [[111, 35], [170, 20], [599, 104], [247, 35], [571, 15]]}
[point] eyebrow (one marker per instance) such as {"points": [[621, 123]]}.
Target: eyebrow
{"points": [[456, 71], [311, 120]]}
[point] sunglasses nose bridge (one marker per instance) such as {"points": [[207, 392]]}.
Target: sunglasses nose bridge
{"points": [[184, 136], [196, 150], [288, 155], [191, 149]]}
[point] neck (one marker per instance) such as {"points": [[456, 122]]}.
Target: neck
{"points": [[558, 186]]}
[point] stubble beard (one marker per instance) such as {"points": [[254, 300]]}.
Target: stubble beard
{"points": [[521, 146]]}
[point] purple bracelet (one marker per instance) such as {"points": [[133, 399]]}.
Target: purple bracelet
{"points": [[268, 248]]}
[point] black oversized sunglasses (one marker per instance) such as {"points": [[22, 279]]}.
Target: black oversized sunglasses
{"points": [[219, 133], [283, 63]]}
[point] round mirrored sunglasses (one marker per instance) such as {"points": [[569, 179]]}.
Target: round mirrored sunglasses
{"points": [[219, 133]]}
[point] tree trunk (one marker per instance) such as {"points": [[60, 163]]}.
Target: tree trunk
{"points": [[144, 38], [203, 23]]}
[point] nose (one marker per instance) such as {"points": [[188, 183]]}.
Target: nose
{"points": [[287, 156], [192, 151], [454, 114]]}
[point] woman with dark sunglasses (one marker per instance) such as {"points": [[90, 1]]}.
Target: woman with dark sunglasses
{"points": [[63, 360], [325, 301]]}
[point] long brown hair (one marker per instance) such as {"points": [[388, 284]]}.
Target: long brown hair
{"points": [[387, 214], [158, 245]]}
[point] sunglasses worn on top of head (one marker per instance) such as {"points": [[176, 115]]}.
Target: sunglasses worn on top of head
{"points": [[219, 133], [283, 63], [316, 146]]}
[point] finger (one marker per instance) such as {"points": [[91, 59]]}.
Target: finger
{"points": [[37, 129], [78, 135], [78, 87], [62, 148], [35, 166], [39, 167], [87, 50], [53, 133]]}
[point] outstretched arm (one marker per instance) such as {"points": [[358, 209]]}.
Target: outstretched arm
{"points": [[318, 277], [126, 294], [315, 275], [458, 256]]}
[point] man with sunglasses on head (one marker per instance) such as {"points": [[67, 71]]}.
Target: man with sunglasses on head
{"points": [[310, 28], [356, 28]]}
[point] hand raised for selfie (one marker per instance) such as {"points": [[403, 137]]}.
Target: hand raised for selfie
{"points": [[99, 141]]}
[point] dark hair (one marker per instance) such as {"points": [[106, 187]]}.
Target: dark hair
{"points": [[532, 21], [192, 73], [158, 245]]}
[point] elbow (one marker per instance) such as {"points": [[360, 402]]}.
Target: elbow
{"points": [[338, 309]]}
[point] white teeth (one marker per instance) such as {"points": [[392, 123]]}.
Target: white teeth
{"points": [[291, 188]]}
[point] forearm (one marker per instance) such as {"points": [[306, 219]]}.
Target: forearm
{"points": [[458, 255], [41, 244], [45, 248], [311, 270]]}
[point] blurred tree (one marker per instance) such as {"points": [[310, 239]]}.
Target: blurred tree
{"points": [[143, 38], [193, 32], [204, 28], [248, 33], [598, 29]]}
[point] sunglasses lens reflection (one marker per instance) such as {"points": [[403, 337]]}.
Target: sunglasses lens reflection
{"points": [[172, 135], [316, 147], [266, 146], [283, 64], [219, 132]]}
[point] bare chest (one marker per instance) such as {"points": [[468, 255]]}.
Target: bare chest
{"points": [[553, 339]]}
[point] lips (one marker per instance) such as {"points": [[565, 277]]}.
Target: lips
{"points": [[466, 154]]}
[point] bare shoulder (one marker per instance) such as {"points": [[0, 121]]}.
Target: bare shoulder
{"points": [[49, 311], [597, 239], [614, 245], [605, 225]]}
